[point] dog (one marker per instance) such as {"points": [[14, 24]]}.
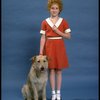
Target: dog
{"points": [[35, 87]]}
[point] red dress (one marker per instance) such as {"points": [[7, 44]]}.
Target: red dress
{"points": [[55, 48]]}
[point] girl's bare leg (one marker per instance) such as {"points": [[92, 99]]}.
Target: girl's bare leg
{"points": [[59, 81], [52, 83]]}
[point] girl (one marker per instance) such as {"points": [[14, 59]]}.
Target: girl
{"points": [[53, 30]]}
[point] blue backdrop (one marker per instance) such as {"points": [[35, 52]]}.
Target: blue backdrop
{"points": [[21, 21]]}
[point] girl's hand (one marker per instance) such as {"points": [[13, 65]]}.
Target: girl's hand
{"points": [[40, 55], [54, 28]]}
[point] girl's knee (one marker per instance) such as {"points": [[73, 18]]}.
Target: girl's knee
{"points": [[59, 71], [52, 71]]}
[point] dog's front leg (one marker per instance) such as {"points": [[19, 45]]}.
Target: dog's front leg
{"points": [[44, 92], [35, 96]]}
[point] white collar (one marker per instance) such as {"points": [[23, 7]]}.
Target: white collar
{"points": [[56, 24]]}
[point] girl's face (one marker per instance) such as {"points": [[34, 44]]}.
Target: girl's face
{"points": [[54, 10]]}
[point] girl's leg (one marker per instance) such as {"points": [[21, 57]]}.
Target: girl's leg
{"points": [[52, 79], [52, 83], [59, 81]]}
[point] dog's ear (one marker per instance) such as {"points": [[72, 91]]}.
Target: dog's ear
{"points": [[33, 59], [46, 57]]}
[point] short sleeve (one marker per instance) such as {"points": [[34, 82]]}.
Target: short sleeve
{"points": [[43, 28], [66, 27]]}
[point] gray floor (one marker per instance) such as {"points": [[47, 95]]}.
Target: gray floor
{"points": [[21, 21]]}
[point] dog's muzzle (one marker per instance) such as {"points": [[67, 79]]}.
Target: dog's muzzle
{"points": [[42, 69]]}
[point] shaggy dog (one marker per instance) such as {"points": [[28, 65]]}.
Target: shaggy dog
{"points": [[35, 87]]}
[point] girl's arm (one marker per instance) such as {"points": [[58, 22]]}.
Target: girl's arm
{"points": [[42, 43], [66, 35]]}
